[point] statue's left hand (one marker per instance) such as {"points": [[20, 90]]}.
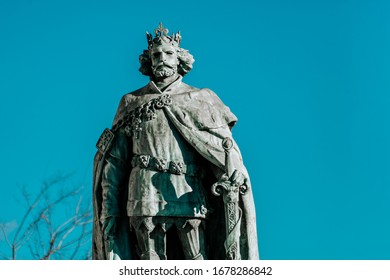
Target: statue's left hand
{"points": [[237, 178]]}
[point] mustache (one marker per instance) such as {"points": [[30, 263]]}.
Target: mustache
{"points": [[161, 64]]}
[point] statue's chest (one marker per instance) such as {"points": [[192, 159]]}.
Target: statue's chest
{"points": [[146, 115]]}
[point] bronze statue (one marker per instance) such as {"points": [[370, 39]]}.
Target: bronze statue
{"points": [[160, 168]]}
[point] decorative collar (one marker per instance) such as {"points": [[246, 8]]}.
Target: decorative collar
{"points": [[169, 88]]}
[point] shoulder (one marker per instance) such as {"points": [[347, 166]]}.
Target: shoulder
{"points": [[203, 107], [187, 88], [204, 95], [129, 99]]}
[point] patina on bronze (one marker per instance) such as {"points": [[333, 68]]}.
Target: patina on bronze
{"points": [[157, 170], [230, 191]]}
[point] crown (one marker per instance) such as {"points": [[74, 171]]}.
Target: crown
{"points": [[162, 37]]}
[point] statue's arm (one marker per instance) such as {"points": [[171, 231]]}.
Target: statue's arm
{"points": [[115, 172]]}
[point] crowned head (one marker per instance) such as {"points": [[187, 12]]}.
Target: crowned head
{"points": [[162, 38], [162, 44]]}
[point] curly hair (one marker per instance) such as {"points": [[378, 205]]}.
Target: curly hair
{"points": [[185, 62]]}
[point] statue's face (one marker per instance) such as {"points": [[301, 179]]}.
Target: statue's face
{"points": [[164, 60]]}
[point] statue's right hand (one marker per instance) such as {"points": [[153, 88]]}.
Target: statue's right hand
{"points": [[109, 227]]}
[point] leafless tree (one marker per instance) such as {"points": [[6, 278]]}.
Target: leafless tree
{"points": [[56, 224]]}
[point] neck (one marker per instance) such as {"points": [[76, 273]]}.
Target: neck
{"points": [[163, 82]]}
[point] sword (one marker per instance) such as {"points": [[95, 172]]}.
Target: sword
{"points": [[230, 193]]}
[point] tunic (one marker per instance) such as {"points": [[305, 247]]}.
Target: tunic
{"points": [[156, 193]]}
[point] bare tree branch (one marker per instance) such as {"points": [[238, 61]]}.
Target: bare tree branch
{"points": [[39, 230], [2, 228]]}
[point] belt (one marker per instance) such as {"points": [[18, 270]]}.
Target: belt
{"points": [[163, 165]]}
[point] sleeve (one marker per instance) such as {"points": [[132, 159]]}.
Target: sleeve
{"points": [[116, 169]]}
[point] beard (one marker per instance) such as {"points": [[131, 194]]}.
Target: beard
{"points": [[164, 71]]}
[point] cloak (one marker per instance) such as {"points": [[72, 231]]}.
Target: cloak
{"points": [[204, 122]]}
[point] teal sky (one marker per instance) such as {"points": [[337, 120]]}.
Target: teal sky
{"points": [[308, 80]]}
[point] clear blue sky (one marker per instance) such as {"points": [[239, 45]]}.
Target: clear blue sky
{"points": [[308, 80]]}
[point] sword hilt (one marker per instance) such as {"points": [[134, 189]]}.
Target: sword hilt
{"points": [[227, 145]]}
